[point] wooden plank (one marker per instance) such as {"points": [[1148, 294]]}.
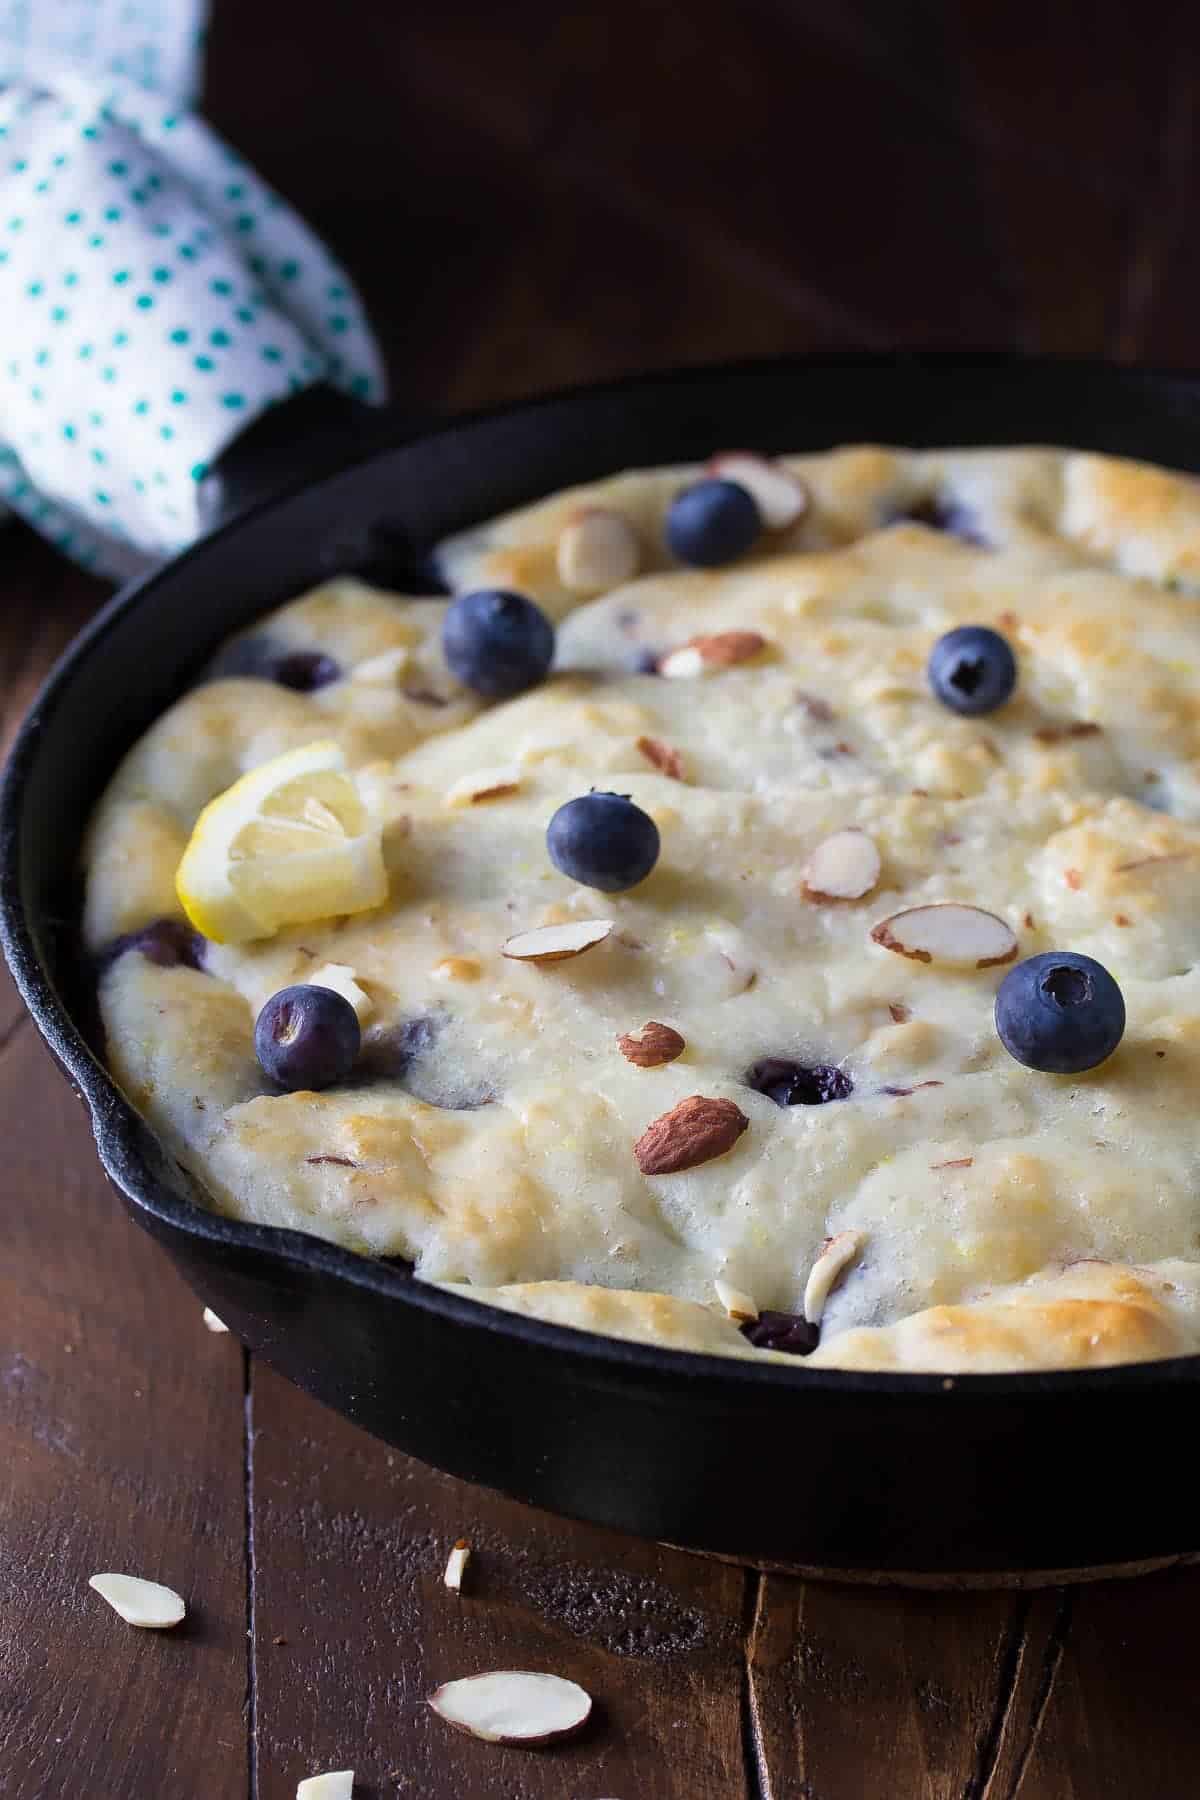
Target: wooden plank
{"points": [[592, 192], [1033, 180], [354, 1628], [860, 1691], [45, 603], [121, 1447], [1117, 1713]]}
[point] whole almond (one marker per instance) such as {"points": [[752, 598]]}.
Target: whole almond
{"points": [[666, 760], [657, 1044], [694, 1132]]}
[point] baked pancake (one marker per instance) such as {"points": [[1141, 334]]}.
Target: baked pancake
{"points": [[754, 1103]]}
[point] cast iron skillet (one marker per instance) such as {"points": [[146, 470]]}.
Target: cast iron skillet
{"points": [[853, 1474]]}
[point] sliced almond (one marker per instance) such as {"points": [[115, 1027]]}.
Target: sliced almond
{"points": [[665, 759], [738, 1306], [144, 1603], [780, 496], [837, 1253], [339, 977], [682, 665], [211, 1321], [513, 1706], [338, 1784], [694, 1132], [459, 1557], [948, 933], [705, 655], [597, 548], [485, 784], [654, 1045], [554, 943], [383, 670], [842, 867]]}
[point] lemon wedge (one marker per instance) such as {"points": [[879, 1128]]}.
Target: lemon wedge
{"points": [[289, 843]]}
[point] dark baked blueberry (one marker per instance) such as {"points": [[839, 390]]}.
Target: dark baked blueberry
{"points": [[972, 670], [711, 523], [167, 942], [304, 670], [1060, 1012], [389, 1053], [265, 659], [783, 1331], [497, 643], [603, 841], [790, 1083], [942, 514], [397, 1053], [307, 1037]]}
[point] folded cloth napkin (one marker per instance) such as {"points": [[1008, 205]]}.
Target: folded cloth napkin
{"points": [[156, 295]]}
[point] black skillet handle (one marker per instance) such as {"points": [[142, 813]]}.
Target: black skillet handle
{"points": [[310, 435]]}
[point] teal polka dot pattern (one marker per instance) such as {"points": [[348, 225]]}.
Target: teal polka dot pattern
{"points": [[157, 297]]}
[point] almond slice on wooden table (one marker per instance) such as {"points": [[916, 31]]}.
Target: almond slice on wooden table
{"points": [[514, 1706], [780, 496], [705, 655], [837, 1253], [456, 1565], [554, 943], [694, 1132], [948, 933], [337, 1784], [842, 867], [144, 1603], [597, 548], [653, 1046]]}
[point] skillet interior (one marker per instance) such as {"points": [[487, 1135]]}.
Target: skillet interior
{"points": [[833, 1469]]}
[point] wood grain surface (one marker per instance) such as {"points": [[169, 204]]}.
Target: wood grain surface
{"points": [[534, 196]]}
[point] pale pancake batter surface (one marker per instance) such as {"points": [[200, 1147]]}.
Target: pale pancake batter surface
{"points": [[1006, 1219]]}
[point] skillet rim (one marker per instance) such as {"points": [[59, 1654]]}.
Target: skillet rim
{"points": [[120, 1133]]}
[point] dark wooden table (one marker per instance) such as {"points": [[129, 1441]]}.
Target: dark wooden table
{"points": [[531, 198]]}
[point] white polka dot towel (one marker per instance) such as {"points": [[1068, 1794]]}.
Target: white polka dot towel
{"points": [[155, 296]]}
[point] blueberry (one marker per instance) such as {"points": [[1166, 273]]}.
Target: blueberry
{"points": [[497, 643], [711, 523], [790, 1083], [304, 670], [972, 670], [307, 1037], [1060, 1012], [603, 841], [266, 659], [783, 1331], [167, 942], [941, 514]]}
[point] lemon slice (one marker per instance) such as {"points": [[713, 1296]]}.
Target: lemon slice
{"points": [[289, 843]]}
